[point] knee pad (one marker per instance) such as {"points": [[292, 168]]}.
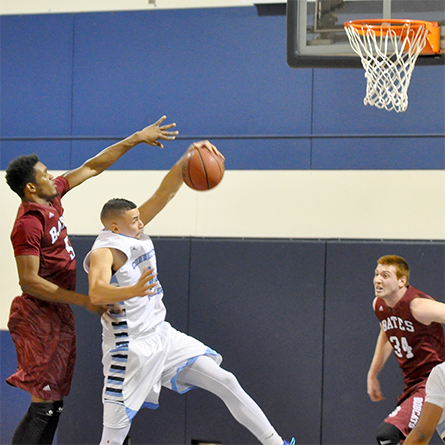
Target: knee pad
{"points": [[388, 434], [38, 425]]}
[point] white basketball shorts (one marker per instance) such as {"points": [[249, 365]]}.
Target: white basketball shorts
{"points": [[135, 371]]}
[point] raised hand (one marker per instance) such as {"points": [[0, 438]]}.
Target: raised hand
{"points": [[151, 134]]}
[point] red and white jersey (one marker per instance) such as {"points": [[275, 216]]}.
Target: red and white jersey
{"points": [[417, 347], [40, 230]]}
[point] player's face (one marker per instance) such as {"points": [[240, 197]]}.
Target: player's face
{"points": [[386, 283], [130, 224], [45, 186]]}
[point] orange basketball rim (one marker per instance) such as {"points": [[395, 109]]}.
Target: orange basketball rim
{"points": [[400, 28]]}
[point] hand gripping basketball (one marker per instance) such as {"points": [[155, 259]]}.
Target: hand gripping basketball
{"points": [[203, 168]]}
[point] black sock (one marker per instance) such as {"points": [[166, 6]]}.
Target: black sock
{"points": [[48, 435], [37, 425]]}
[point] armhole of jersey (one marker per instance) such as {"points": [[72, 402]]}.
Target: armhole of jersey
{"points": [[114, 272]]}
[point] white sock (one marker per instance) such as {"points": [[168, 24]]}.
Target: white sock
{"points": [[114, 436], [271, 437]]}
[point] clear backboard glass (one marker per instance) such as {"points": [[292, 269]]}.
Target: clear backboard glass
{"points": [[315, 33]]}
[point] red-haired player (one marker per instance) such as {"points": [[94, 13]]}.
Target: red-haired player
{"points": [[410, 325]]}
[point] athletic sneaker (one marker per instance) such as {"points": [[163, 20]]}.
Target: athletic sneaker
{"points": [[292, 442]]}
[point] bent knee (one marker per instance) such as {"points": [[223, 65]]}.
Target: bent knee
{"points": [[229, 380], [388, 434]]}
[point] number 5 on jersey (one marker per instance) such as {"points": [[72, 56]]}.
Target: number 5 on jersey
{"points": [[69, 248]]}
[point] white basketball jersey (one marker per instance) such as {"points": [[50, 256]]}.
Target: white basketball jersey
{"points": [[435, 394], [138, 315]]}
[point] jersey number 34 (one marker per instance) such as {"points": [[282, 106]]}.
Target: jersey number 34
{"points": [[401, 346]]}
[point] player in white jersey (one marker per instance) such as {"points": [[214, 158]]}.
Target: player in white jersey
{"points": [[433, 412], [141, 351]]}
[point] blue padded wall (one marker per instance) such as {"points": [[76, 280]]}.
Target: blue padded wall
{"points": [[216, 71], [260, 304], [339, 109], [391, 153], [36, 75], [81, 81]]}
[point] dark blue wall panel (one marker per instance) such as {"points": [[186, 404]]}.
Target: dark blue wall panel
{"points": [[379, 153], [339, 109], [240, 153], [266, 153], [260, 304], [13, 401], [220, 73], [55, 154], [214, 71], [36, 75]]}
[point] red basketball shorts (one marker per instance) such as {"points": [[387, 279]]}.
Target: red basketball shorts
{"points": [[45, 340], [407, 413]]}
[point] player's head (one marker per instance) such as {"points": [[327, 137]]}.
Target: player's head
{"points": [[122, 216], [20, 172], [399, 263]]}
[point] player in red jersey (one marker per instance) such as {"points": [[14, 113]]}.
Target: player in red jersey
{"points": [[41, 322], [410, 325]]}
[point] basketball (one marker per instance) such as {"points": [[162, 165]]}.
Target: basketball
{"points": [[202, 170]]}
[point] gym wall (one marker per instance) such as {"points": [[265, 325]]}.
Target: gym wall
{"points": [[274, 267]]}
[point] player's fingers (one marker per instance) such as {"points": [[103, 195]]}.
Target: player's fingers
{"points": [[148, 272], [211, 148], [169, 135], [160, 120], [376, 396], [168, 126], [156, 143], [218, 153], [108, 318]]}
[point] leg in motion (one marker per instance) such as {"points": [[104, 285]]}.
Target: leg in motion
{"points": [[206, 374]]}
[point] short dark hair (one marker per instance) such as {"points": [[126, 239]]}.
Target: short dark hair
{"points": [[115, 207], [20, 172]]}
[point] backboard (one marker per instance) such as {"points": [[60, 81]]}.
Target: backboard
{"points": [[316, 37]]}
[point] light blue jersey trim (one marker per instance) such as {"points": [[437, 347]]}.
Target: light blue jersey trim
{"points": [[130, 413], [150, 405], [174, 382]]}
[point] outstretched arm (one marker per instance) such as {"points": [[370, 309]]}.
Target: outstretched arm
{"points": [[107, 157], [428, 311], [381, 354], [170, 184], [28, 268]]}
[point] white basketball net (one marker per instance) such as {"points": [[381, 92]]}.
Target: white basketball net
{"points": [[388, 60]]}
